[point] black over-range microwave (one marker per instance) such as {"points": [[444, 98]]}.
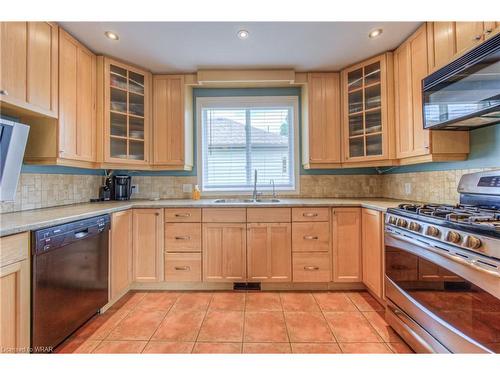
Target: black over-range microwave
{"points": [[465, 94]]}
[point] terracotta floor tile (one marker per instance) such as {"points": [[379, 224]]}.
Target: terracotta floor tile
{"points": [[95, 323], [315, 348], [217, 348], [77, 346], [266, 348], [222, 326], [298, 302], [138, 325], [307, 327], [364, 348], [334, 301], [265, 326], [180, 326], [107, 326], [159, 301], [130, 300], [381, 326], [351, 327], [193, 301], [365, 302], [164, 347], [122, 347], [399, 347], [228, 301], [263, 301]]}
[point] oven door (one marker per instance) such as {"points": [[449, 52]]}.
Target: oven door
{"points": [[438, 303]]}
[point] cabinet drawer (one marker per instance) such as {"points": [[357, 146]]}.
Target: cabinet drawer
{"points": [[182, 267], [224, 215], [311, 267], [268, 215], [182, 215], [14, 248], [310, 214], [183, 237], [311, 236]]}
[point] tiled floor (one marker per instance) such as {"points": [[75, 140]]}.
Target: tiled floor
{"points": [[239, 322]]}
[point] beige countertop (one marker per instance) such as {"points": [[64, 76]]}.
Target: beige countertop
{"points": [[16, 222]]}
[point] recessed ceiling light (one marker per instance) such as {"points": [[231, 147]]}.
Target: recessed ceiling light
{"points": [[243, 34], [375, 33], [111, 35]]}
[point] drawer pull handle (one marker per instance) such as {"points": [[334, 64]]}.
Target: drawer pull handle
{"points": [[185, 238], [311, 238], [184, 268], [183, 215], [311, 268], [310, 214], [4, 92]]}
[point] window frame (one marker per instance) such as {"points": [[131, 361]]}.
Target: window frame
{"points": [[249, 102]]}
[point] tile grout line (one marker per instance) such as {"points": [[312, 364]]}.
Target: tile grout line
{"points": [[328, 324], [244, 321], [286, 325], [203, 321]]}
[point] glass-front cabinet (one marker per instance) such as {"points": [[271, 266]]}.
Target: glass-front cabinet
{"points": [[367, 111], [126, 113]]}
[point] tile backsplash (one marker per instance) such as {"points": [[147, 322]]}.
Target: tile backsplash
{"points": [[47, 190]]}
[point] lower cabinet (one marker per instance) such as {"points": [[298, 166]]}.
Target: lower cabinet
{"points": [[311, 267], [372, 245], [269, 252], [120, 253], [346, 244], [224, 252], [182, 267], [147, 245], [14, 294]]}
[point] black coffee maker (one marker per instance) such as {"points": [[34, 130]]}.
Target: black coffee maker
{"points": [[122, 187]]}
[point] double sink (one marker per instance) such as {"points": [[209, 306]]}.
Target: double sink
{"points": [[268, 200]]}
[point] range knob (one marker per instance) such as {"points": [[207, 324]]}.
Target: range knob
{"points": [[432, 231], [473, 242], [415, 226], [393, 220], [402, 223], [453, 237]]}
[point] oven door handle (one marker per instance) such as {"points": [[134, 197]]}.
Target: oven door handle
{"points": [[404, 319]]}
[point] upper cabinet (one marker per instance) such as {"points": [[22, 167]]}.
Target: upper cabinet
{"points": [[367, 107], [172, 123], [123, 114], [29, 68], [448, 40], [413, 143], [321, 123]]}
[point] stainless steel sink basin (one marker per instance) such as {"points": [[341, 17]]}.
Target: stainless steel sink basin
{"points": [[236, 200]]}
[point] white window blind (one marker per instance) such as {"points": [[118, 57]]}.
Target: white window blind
{"points": [[241, 135]]}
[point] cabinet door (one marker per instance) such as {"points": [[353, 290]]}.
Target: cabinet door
{"points": [[468, 34], [15, 307], [491, 28], [224, 252], [372, 243], [42, 66], [147, 245], [121, 253], [346, 237], [269, 252], [168, 120], [324, 119], [442, 46], [13, 39]]}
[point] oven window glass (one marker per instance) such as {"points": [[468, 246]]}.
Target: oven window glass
{"points": [[463, 305]]}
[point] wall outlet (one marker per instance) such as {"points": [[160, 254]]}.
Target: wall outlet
{"points": [[187, 188], [407, 188], [135, 189]]}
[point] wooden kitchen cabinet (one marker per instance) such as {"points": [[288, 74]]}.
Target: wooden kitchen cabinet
{"points": [[368, 112], [321, 125], [123, 114], [147, 245], [414, 144], [121, 243], [224, 252], [172, 128], [269, 252], [346, 244], [29, 68], [372, 250], [14, 293]]}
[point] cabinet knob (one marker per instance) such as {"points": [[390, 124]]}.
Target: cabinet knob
{"points": [[4, 92], [157, 214], [477, 37], [488, 31]]}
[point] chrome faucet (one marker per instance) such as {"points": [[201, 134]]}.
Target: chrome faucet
{"points": [[274, 188], [254, 195]]}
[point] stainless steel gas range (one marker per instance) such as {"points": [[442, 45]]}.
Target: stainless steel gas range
{"points": [[442, 270]]}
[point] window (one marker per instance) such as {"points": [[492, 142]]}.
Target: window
{"points": [[239, 135]]}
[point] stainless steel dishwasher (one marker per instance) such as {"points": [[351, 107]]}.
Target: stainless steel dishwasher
{"points": [[69, 278]]}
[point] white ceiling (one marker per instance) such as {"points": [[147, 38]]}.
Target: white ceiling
{"points": [[165, 47]]}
